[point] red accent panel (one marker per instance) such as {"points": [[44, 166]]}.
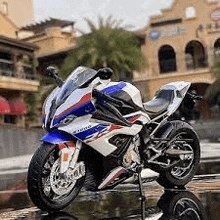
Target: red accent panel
{"points": [[115, 176], [113, 127], [61, 146], [133, 119], [84, 99], [71, 144]]}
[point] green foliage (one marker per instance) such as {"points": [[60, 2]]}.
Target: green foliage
{"points": [[32, 101], [213, 91], [108, 45]]}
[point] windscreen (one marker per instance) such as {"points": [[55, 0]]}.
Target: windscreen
{"points": [[77, 78]]}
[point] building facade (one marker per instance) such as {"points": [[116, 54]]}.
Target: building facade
{"points": [[55, 39], [181, 44], [20, 12], [18, 75]]}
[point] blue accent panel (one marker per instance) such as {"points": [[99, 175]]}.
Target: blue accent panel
{"points": [[85, 108], [56, 137], [85, 134], [114, 88]]}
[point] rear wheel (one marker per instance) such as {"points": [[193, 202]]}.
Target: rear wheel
{"points": [[47, 187], [184, 139]]}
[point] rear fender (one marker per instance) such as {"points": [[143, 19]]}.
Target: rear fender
{"points": [[165, 129]]}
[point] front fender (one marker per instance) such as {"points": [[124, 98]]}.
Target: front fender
{"points": [[57, 137]]}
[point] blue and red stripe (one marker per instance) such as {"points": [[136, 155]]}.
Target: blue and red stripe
{"points": [[83, 107]]}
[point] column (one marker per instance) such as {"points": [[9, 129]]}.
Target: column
{"points": [[14, 60], [181, 61]]}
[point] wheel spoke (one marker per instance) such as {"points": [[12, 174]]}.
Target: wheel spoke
{"points": [[183, 168]]}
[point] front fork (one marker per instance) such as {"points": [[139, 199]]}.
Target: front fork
{"points": [[69, 153]]}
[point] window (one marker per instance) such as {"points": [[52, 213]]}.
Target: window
{"points": [[4, 8], [10, 119], [190, 12], [195, 55], [217, 48], [167, 59]]}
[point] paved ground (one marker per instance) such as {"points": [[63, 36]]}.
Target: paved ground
{"points": [[209, 151]]}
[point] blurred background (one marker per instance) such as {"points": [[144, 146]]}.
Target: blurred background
{"points": [[148, 43]]}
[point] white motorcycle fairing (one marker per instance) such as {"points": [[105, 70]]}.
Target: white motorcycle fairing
{"points": [[74, 115], [100, 134], [71, 110]]}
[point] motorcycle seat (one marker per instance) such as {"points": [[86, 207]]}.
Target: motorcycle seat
{"points": [[156, 106]]}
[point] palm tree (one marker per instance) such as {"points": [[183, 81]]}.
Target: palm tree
{"points": [[213, 92], [107, 45]]}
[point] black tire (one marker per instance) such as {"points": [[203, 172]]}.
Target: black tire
{"points": [[38, 176], [170, 178], [181, 205]]}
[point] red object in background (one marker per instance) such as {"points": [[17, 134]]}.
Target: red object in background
{"points": [[17, 106], [4, 106]]}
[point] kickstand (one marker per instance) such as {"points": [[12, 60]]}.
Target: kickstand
{"points": [[143, 198], [139, 169]]}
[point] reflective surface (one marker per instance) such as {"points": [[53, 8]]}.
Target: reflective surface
{"points": [[201, 200]]}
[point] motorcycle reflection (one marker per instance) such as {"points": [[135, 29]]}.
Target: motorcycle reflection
{"points": [[173, 205], [59, 216], [182, 205]]}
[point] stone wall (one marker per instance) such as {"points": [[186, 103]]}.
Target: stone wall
{"points": [[208, 130], [17, 141]]}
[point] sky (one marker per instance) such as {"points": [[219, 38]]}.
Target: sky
{"points": [[133, 12]]}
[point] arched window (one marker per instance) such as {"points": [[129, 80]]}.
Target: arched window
{"points": [[217, 48], [195, 55], [190, 12], [167, 59]]}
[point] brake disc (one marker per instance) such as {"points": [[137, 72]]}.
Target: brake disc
{"points": [[63, 183]]}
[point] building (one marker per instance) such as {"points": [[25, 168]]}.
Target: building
{"points": [[20, 12], [181, 44], [55, 39], [18, 75]]}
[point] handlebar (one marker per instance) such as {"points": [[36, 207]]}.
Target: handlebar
{"points": [[103, 96], [195, 97], [53, 72]]}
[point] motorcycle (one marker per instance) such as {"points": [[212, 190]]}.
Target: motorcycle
{"points": [[100, 134]]}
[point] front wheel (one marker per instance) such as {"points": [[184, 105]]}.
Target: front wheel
{"points": [[49, 189], [184, 139]]}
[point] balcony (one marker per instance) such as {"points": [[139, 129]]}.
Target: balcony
{"points": [[17, 77]]}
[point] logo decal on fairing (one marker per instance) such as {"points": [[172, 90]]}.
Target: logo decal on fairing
{"points": [[102, 133], [82, 129]]}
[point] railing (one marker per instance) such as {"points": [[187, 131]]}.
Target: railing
{"points": [[6, 68], [24, 71]]}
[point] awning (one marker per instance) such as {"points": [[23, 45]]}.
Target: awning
{"points": [[17, 106], [4, 106]]}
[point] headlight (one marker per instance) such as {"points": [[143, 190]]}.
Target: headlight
{"points": [[67, 120]]}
